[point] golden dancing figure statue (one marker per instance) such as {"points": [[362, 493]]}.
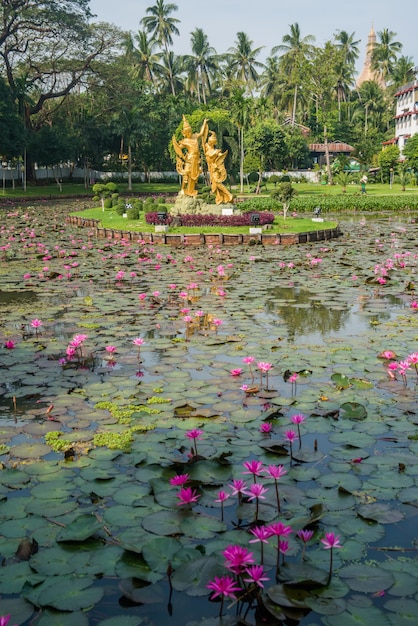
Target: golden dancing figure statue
{"points": [[188, 162], [215, 159]]}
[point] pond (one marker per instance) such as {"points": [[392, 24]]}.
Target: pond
{"points": [[173, 418]]}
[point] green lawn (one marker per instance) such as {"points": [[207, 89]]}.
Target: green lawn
{"points": [[303, 189], [110, 219]]}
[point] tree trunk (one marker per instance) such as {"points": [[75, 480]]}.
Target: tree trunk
{"points": [[241, 159], [327, 159], [129, 168]]}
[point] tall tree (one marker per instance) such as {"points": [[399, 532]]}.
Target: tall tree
{"points": [[48, 49], [295, 51], [201, 64], [242, 60], [162, 27], [323, 79], [144, 58], [403, 72], [384, 53], [349, 46]]}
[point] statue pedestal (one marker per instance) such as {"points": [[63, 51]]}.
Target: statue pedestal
{"points": [[161, 228], [196, 206]]}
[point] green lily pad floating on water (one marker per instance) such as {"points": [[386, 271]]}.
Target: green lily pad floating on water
{"points": [[341, 381], [70, 594], [120, 620], [55, 618], [80, 529], [353, 411], [366, 578], [193, 576], [380, 512], [358, 616]]}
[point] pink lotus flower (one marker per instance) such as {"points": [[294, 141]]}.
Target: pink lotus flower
{"points": [[9, 345], [237, 558], [222, 496], [257, 491], [195, 435], [253, 467], [239, 487], [236, 372], [187, 495], [35, 323], [331, 541], [279, 529], [305, 535], [276, 471], [179, 480], [223, 586], [138, 341], [266, 428], [414, 304], [184, 311], [264, 367], [110, 349], [256, 575], [142, 296]]}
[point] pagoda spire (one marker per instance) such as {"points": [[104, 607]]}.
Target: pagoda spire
{"points": [[367, 73]]}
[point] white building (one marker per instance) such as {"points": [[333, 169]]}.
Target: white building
{"points": [[406, 118]]}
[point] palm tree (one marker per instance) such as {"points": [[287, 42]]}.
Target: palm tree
{"points": [[145, 59], [403, 71], [371, 105], [242, 60], [202, 64], [346, 43], [295, 51], [384, 53], [271, 82], [162, 27]]}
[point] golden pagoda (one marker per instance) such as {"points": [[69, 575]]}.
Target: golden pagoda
{"points": [[367, 73]]}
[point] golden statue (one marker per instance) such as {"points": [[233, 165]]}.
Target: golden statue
{"points": [[188, 161], [215, 159]]}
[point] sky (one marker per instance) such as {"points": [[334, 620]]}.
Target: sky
{"points": [[266, 21]]}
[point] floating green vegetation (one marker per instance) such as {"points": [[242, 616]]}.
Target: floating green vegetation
{"points": [[124, 413], [57, 442], [158, 400], [115, 441], [89, 325]]}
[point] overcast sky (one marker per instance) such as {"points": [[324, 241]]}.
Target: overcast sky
{"points": [[266, 21]]}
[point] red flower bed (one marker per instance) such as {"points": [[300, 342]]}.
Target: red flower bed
{"points": [[246, 219]]}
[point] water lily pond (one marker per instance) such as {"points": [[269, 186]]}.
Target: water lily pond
{"points": [[208, 436]]}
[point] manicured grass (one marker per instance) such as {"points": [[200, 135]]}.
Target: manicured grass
{"points": [[110, 219], [303, 189]]}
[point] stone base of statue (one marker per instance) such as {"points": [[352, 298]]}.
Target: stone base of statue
{"points": [[196, 206]]}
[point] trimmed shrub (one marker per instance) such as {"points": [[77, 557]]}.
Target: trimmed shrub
{"points": [[120, 209], [132, 213], [108, 203]]}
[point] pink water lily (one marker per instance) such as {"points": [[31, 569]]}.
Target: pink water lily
{"points": [[255, 575], [187, 495]]}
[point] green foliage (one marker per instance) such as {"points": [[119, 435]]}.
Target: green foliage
{"points": [[284, 194], [57, 442], [259, 204], [410, 151], [355, 202], [388, 160], [115, 441], [107, 203], [120, 209], [132, 213]]}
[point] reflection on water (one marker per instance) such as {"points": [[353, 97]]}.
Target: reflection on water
{"points": [[308, 319]]}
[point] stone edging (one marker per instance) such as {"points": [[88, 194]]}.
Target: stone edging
{"points": [[202, 239]]}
